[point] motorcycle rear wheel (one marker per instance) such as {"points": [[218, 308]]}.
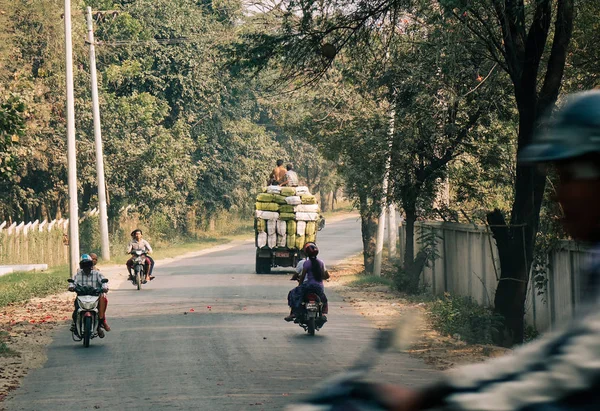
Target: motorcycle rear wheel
{"points": [[311, 326], [87, 331]]}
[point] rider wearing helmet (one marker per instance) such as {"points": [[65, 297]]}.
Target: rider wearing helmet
{"points": [[87, 276], [560, 371], [310, 279]]}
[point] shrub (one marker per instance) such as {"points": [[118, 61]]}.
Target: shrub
{"points": [[474, 324]]}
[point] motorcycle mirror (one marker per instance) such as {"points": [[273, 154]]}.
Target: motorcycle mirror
{"points": [[404, 334], [104, 280], [321, 224], [70, 280]]}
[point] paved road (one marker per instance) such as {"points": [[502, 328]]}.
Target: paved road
{"points": [[237, 355]]}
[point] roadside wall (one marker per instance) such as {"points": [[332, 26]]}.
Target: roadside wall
{"points": [[37, 242], [467, 265]]}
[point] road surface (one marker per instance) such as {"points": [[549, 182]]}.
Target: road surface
{"points": [[169, 350]]}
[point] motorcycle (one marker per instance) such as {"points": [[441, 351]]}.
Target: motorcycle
{"points": [[86, 320], [348, 391], [139, 268], [311, 316]]}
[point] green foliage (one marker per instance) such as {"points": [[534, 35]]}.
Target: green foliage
{"points": [[12, 126], [463, 317], [22, 286]]}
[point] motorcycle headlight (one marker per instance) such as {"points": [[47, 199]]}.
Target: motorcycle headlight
{"points": [[87, 302], [138, 260]]}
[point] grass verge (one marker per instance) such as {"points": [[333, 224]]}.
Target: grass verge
{"points": [[369, 280], [183, 246], [21, 286]]}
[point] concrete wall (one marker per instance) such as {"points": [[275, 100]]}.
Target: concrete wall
{"points": [[467, 265]]}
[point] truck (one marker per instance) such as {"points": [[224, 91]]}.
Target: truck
{"points": [[278, 211]]}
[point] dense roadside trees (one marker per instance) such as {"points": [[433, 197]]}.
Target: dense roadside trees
{"points": [[180, 133], [521, 46]]}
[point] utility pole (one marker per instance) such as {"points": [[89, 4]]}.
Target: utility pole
{"points": [[71, 148], [384, 200], [98, 140]]}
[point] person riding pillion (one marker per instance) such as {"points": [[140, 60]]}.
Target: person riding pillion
{"points": [[291, 177], [559, 371], [87, 276], [138, 243], [310, 279]]}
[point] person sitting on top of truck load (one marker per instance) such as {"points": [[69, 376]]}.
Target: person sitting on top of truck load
{"points": [[278, 174], [291, 178]]}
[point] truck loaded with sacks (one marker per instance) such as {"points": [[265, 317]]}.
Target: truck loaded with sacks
{"points": [[285, 219]]}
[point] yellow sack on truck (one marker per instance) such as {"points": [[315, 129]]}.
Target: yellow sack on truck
{"points": [[261, 225], [267, 206], [291, 240], [311, 228], [264, 198], [291, 227], [308, 199], [288, 191], [300, 241], [287, 216], [311, 238]]}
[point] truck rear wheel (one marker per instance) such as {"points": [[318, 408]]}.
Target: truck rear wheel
{"points": [[263, 265]]}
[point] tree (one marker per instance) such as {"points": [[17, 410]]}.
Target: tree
{"points": [[517, 36]]}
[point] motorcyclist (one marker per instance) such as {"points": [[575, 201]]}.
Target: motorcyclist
{"points": [[138, 243], [87, 276], [310, 280], [560, 371]]}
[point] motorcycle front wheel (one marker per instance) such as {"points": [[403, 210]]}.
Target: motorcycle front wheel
{"points": [[87, 331], [138, 278]]}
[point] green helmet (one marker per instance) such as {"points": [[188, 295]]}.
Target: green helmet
{"points": [[575, 131]]}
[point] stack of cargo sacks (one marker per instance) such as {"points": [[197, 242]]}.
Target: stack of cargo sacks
{"points": [[285, 217]]}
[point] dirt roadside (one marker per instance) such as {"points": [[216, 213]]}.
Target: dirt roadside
{"points": [[384, 307]]}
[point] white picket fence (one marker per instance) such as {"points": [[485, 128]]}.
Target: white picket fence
{"points": [[467, 265], [37, 242]]}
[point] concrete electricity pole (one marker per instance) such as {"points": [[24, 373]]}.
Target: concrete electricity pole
{"points": [[384, 201], [98, 140], [71, 149]]}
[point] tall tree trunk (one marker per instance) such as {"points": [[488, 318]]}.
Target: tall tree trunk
{"points": [[333, 199], [368, 231], [413, 265], [323, 195], [516, 241], [409, 247]]}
